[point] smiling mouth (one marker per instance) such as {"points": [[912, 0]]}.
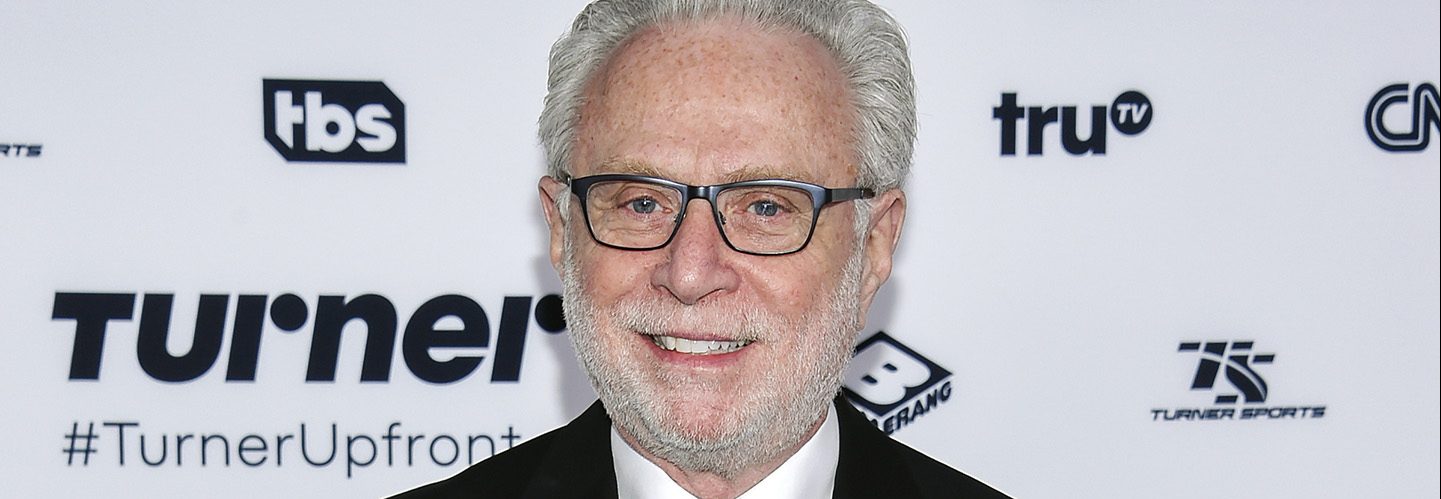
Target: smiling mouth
{"points": [[697, 347]]}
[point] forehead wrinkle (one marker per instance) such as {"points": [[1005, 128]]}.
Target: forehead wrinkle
{"points": [[712, 53], [721, 90]]}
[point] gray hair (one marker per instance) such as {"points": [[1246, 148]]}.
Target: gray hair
{"points": [[866, 42]]}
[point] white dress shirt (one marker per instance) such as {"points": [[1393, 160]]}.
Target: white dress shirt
{"points": [[810, 473]]}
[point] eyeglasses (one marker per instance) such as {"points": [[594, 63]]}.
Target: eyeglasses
{"points": [[756, 217]]}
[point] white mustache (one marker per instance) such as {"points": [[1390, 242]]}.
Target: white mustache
{"points": [[656, 318]]}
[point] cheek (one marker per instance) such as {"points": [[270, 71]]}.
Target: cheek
{"points": [[788, 287], [797, 285], [610, 275], [832, 245]]}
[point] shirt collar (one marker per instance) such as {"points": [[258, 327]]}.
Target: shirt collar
{"points": [[810, 473]]}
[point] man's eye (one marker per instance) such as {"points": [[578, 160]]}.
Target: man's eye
{"points": [[765, 208], [643, 205]]}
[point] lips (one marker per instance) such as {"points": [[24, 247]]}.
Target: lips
{"points": [[697, 347]]}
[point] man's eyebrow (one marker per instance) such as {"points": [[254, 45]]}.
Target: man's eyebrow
{"points": [[629, 167], [766, 172]]}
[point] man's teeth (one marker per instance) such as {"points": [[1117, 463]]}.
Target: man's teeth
{"points": [[701, 347]]}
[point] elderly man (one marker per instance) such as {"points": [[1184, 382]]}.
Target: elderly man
{"points": [[724, 201]]}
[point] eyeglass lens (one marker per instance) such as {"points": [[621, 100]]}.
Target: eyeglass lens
{"points": [[760, 218]]}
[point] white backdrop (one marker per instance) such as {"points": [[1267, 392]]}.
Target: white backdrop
{"points": [[1057, 289]]}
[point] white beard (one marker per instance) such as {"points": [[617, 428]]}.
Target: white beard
{"points": [[773, 415]]}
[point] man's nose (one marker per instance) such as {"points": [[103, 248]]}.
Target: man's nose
{"points": [[699, 259]]}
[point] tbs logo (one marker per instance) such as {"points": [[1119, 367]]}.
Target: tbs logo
{"points": [[893, 383], [334, 121], [1416, 108], [1130, 113]]}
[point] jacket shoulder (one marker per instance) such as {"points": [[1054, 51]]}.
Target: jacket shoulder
{"points": [[872, 464], [936, 479]]}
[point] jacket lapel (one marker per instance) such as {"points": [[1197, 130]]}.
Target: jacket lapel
{"points": [[580, 466], [868, 466]]}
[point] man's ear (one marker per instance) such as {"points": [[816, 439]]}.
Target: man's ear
{"points": [[888, 213], [551, 190]]}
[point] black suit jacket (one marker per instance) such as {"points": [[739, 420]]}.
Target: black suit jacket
{"points": [[574, 461]]}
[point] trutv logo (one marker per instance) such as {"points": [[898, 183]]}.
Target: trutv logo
{"points": [[453, 326], [893, 383], [334, 121], [1130, 113]]}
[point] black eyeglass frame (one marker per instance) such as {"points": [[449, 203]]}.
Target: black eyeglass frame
{"points": [[820, 197]]}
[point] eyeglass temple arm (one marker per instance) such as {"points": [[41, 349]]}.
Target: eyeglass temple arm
{"points": [[849, 193]]}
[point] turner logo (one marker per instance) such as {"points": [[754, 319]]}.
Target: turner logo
{"points": [[334, 121], [1130, 113], [893, 383], [445, 339], [1418, 109], [1234, 361]]}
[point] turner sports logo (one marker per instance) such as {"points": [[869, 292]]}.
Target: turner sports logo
{"points": [[894, 384], [334, 121], [1130, 113], [1416, 108], [1236, 362], [452, 325]]}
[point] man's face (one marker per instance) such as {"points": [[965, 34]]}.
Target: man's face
{"points": [[710, 103]]}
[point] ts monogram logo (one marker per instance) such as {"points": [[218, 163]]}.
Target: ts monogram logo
{"points": [[1238, 369]]}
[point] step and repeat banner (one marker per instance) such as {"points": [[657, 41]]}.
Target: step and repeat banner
{"points": [[1154, 249]]}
